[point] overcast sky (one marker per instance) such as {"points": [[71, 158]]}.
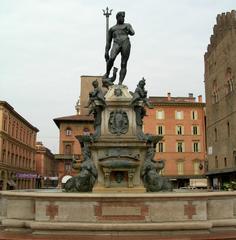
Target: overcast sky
{"points": [[46, 45]]}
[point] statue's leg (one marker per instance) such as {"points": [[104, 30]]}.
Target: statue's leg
{"points": [[113, 54], [125, 51]]}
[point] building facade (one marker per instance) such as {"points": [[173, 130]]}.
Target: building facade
{"points": [[45, 167], [69, 146], [220, 70], [17, 150], [181, 122]]}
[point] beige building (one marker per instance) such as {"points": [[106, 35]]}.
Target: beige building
{"points": [[220, 83], [45, 167], [181, 122], [17, 150]]}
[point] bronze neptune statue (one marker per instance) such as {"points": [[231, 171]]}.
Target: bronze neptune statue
{"points": [[121, 44]]}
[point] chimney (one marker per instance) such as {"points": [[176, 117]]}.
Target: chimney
{"points": [[169, 96], [190, 95], [200, 98]]}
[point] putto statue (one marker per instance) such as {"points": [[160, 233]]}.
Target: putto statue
{"points": [[140, 94], [96, 94], [96, 105], [138, 102], [121, 44]]}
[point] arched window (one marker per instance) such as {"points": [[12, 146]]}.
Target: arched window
{"points": [[68, 131], [229, 80], [86, 131], [68, 149]]}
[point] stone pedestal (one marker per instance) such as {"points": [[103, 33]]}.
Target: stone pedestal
{"points": [[118, 153], [118, 213]]}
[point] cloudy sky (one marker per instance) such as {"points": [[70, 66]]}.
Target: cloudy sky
{"points": [[46, 45]]}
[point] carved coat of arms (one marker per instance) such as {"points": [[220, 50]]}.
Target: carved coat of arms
{"points": [[118, 122]]}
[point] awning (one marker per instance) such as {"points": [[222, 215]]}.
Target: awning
{"points": [[11, 183], [65, 178]]}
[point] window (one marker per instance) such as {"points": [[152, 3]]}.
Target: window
{"points": [[160, 130], [162, 172], [17, 130], [179, 130], [229, 80], [68, 149], [215, 134], [16, 160], [216, 162], [195, 130], [225, 161], [68, 166], [5, 124], [160, 114], [180, 168], [228, 129], [215, 97], [179, 115], [196, 147], [194, 115], [86, 131], [180, 146], [9, 125], [13, 129], [196, 168], [160, 147], [3, 155], [68, 132]]}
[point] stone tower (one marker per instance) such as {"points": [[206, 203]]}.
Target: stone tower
{"points": [[220, 84]]}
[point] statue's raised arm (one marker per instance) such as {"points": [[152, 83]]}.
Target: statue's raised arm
{"points": [[119, 33]]}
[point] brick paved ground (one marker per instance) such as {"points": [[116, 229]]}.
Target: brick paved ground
{"points": [[212, 236]]}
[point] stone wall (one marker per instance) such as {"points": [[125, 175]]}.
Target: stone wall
{"points": [[220, 83], [80, 213]]}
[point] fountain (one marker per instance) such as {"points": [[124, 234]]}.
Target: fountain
{"points": [[118, 188]]}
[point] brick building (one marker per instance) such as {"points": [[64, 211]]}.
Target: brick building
{"points": [[69, 146], [71, 126], [181, 122], [17, 150], [45, 167], [220, 69]]}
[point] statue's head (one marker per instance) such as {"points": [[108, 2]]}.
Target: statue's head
{"points": [[95, 83], [142, 82], [120, 17]]}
